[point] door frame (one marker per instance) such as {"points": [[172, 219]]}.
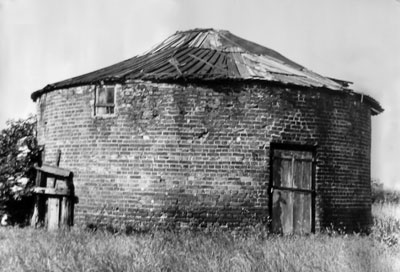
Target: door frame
{"points": [[294, 147]]}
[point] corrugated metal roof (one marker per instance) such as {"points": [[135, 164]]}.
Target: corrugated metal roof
{"points": [[205, 54]]}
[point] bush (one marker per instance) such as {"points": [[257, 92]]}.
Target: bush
{"points": [[383, 195], [18, 153]]}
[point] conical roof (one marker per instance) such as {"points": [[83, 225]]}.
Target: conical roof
{"points": [[206, 55]]}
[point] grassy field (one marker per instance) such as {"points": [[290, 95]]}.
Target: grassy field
{"points": [[80, 250]]}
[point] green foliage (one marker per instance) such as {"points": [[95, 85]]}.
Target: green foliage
{"points": [[18, 152]]}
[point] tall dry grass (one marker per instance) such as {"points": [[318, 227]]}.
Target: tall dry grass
{"points": [[80, 250], [386, 227]]}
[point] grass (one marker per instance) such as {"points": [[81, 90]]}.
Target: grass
{"points": [[386, 227], [79, 250]]}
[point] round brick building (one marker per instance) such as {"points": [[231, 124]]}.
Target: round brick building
{"points": [[208, 128]]}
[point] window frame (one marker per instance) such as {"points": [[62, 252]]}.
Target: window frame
{"points": [[110, 108]]}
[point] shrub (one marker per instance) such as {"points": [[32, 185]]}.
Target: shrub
{"points": [[384, 195], [18, 152]]}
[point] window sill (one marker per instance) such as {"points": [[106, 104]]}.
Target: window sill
{"points": [[105, 116]]}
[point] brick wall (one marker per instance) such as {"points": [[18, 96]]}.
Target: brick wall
{"points": [[200, 154]]}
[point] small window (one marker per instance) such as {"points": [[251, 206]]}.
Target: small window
{"points": [[105, 100]]}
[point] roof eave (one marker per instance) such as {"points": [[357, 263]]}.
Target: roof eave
{"points": [[52, 87], [376, 108]]}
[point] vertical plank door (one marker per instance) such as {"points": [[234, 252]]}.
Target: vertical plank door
{"points": [[292, 191]]}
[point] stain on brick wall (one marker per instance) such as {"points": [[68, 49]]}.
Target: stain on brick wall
{"points": [[199, 154]]}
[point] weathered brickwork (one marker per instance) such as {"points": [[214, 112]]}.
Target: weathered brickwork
{"points": [[200, 154]]}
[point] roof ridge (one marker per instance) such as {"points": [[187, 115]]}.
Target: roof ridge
{"points": [[197, 30]]}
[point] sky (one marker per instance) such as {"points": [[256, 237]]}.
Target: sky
{"points": [[45, 41]]}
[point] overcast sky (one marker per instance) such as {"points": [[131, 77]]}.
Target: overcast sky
{"points": [[45, 41]]}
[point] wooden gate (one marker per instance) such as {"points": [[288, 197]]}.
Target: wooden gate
{"points": [[54, 202], [292, 192]]}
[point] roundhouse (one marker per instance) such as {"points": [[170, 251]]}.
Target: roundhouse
{"points": [[209, 128]]}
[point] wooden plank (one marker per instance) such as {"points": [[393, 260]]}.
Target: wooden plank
{"points": [[164, 67], [221, 65], [307, 214], [172, 61], [39, 211], [52, 191], [276, 174], [287, 212], [58, 158], [199, 40], [35, 216], [291, 212], [232, 68], [105, 104], [156, 61], [241, 66], [54, 171], [199, 60], [298, 213], [51, 182], [206, 62], [287, 158], [307, 175], [286, 174], [302, 175], [66, 219], [297, 177], [298, 155], [302, 213], [291, 189], [277, 212], [282, 216], [188, 61], [193, 64], [183, 57], [53, 213], [212, 62]]}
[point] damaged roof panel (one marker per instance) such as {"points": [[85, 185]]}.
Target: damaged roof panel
{"points": [[205, 54]]}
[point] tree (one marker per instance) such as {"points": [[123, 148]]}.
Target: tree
{"points": [[18, 152]]}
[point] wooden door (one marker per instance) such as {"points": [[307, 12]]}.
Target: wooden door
{"points": [[292, 191]]}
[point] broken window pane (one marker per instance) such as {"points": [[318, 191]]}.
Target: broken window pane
{"points": [[110, 95]]}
